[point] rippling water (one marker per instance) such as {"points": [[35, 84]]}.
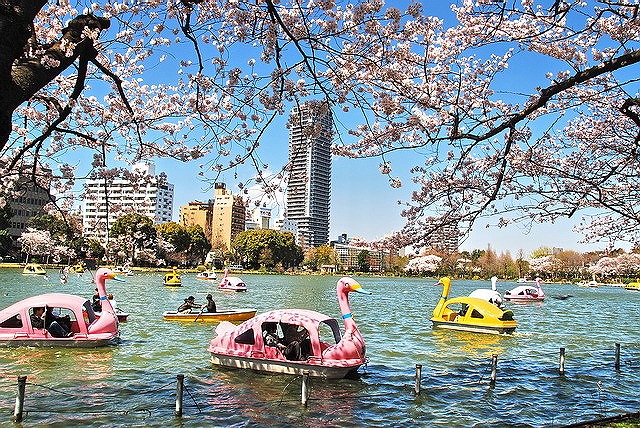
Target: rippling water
{"points": [[133, 383]]}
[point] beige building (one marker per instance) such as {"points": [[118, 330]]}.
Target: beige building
{"points": [[229, 215], [222, 218], [28, 201], [198, 213]]}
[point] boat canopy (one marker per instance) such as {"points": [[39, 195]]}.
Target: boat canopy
{"points": [[19, 310], [308, 319]]}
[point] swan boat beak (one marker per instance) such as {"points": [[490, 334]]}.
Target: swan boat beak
{"points": [[358, 288]]}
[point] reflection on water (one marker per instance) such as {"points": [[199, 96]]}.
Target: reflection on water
{"points": [[463, 344], [133, 384]]}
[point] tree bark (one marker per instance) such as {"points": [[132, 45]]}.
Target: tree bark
{"points": [[23, 75]]}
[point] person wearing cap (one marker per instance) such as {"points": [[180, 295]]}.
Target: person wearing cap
{"points": [[189, 303]]}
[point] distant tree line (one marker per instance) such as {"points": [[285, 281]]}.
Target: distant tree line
{"points": [[57, 238]]}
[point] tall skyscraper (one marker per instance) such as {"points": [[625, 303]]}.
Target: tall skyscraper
{"points": [[309, 185]]}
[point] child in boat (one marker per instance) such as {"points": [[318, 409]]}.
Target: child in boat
{"points": [[189, 303]]}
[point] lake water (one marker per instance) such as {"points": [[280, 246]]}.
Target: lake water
{"points": [[133, 384]]}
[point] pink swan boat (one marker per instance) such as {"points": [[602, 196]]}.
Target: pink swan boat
{"points": [[525, 293], [87, 330], [231, 283], [246, 346]]}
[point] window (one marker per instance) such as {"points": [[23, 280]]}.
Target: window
{"points": [[13, 322], [476, 314], [246, 338]]}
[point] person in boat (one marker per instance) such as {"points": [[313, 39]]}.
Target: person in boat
{"points": [[270, 336], [189, 303], [63, 276], [211, 305], [36, 317], [95, 302], [298, 345], [57, 326]]}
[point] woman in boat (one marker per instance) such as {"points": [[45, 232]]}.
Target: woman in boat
{"points": [[36, 317], [189, 303], [211, 305]]}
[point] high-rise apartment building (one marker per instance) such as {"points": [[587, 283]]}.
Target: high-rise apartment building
{"points": [[446, 238], [287, 225], [309, 185], [229, 215], [105, 202]]}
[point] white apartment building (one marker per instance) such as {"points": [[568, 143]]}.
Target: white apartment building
{"points": [[286, 225], [258, 218], [104, 202]]}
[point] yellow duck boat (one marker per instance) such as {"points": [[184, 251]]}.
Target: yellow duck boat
{"points": [[33, 269], [470, 314], [172, 279]]}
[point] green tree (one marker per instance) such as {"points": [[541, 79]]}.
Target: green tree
{"points": [[177, 236], [6, 243], [94, 249], [136, 231], [252, 245], [541, 252], [522, 265], [6, 213], [364, 264], [199, 245], [322, 255]]}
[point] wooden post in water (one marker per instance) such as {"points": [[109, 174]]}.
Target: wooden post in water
{"points": [[494, 369], [416, 388], [562, 361], [305, 387], [17, 412], [179, 390], [616, 363]]}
